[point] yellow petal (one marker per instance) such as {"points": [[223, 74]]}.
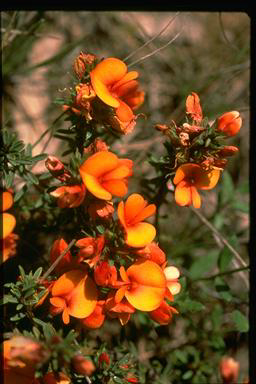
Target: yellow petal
{"points": [[103, 92], [9, 223], [140, 235], [83, 299], [93, 185], [67, 282]]}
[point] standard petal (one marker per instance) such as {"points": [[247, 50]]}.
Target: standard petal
{"points": [[67, 282], [9, 223], [100, 163], [110, 70], [133, 205], [93, 185], [83, 299], [140, 235], [145, 213], [148, 273], [145, 298]]}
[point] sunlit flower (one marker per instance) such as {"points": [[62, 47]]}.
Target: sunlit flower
{"points": [[144, 285], [191, 177], [74, 294], [90, 249], [7, 238], [163, 314], [131, 215], [104, 175], [117, 88], [193, 107], [69, 196], [229, 123]]}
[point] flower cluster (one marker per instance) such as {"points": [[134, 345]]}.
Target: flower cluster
{"points": [[197, 153], [106, 93]]}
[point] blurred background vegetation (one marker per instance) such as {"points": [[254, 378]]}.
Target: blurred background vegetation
{"points": [[209, 55]]}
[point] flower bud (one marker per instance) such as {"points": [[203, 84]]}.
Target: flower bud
{"points": [[82, 64], [104, 357], [101, 210], [97, 146], [162, 128], [82, 365], [57, 169], [124, 127], [152, 252], [27, 350], [228, 150], [192, 128], [229, 370], [229, 123], [69, 196]]}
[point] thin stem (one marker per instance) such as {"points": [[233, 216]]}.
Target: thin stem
{"points": [[152, 39], [222, 273], [224, 33], [218, 234], [157, 50], [56, 262]]}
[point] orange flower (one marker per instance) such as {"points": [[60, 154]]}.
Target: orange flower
{"points": [[69, 196], [49, 378], [74, 294], [229, 123], [90, 249], [58, 247], [117, 88], [131, 215], [97, 317], [193, 107], [144, 285], [189, 178], [7, 238], [122, 310], [229, 370], [104, 175], [152, 252], [163, 314], [105, 274], [82, 365]]}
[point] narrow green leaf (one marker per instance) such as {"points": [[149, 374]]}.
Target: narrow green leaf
{"points": [[224, 259]]}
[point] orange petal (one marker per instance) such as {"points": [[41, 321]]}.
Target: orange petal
{"points": [[212, 180], [110, 70], [116, 187], [124, 112], [120, 294], [65, 316], [103, 92], [99, 164], [93, 185], [123, 274], [196, 199], [146, 212], [120, 213], [58, 302], [7, 200], [67, 282], [9, 223], [185, 170], [133, 205], [183, 194], [127, 88], [118, 173], [83, 299], [140, 235], [145, 298], [128, 163], [132, 75]]}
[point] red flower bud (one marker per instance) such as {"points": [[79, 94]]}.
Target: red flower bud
{"points": [[82, 365], [229, 370], [104, 357]]}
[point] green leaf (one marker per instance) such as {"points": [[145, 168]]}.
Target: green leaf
{"points": [[203, 264], [190, 305], [40, 157], [224, 259], [187, 375], [32, 178], [223, 289], [38, 272], [240, 320], [241, 206]]}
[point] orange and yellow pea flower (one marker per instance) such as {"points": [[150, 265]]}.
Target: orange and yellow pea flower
{"points": [[131, 215], [8, 223], [117, 87], [144, 285], [74, 294], [191, 177], [104, 175], [123, 310], [163, 314]]}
